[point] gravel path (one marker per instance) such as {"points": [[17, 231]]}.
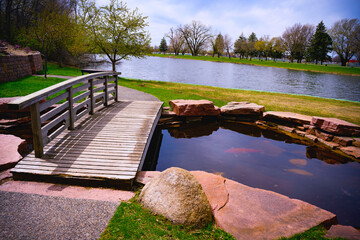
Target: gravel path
{"points": [[32, 216]]}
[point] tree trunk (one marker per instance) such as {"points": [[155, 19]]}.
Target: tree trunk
{"points": [[113, 65]]}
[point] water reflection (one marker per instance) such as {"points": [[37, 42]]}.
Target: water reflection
{"points": [[265, 159], [239, 76]]}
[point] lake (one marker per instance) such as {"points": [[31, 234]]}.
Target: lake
{"points": [[264, 159], [239, 76]]}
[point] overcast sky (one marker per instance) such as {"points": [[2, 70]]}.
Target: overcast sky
{"points": [[264, 17]]}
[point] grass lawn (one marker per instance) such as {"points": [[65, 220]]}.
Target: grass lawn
{"points": [[131, 221], [333, 69], [313, 106], [54, 69]]}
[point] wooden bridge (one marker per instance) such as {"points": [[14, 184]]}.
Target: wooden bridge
{"points": [[73, 141]]}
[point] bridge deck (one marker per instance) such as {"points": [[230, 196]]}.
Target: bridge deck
{"points": [[109, 145]]}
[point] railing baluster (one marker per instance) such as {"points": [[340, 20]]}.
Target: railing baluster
{"points": [[106, 90], [92, 102], [36, 129], [71, 108], [116, 89]]}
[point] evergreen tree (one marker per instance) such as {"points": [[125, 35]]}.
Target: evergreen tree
{"points": [[219, 42], [163, 46], [320, 44]]}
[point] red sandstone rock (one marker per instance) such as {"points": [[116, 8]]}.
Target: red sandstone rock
{"points": [[252, 213], [194, 108], [9, 154], [347, 232], [352, 151], [242, 108], [287, 117], [323, 136], [336, 126], [343, 141], [356, 142]]}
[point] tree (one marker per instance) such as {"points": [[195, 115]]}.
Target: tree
{"points": [[320, 44], [163, 46], [251, 45], [240, 46], [219, 42], [117, 31], [176, 40], [227, 44], [297, 40], [344, 34], [277, 47], [196, 36]]}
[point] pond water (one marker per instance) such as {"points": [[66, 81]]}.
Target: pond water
{"points": [[267, 160], [239, 76]]}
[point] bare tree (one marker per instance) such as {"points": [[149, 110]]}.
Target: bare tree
{"points": [[227, 44], [297, 39], [345, 36], [196, 36], [176, 40]]}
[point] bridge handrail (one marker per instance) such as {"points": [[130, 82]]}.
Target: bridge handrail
{"points": [[96, 89]]}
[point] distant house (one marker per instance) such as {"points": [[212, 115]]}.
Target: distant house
{"points": [[353, 63]]}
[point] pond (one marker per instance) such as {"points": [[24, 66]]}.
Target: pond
{"points": [[239, 76], [265, 159]]}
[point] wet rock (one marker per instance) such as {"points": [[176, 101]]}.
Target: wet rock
{"points": [[194, 108], [242, 108], [325, 155], [323, 136], [193, 130], [288, 117], [311, 137], [343, 141], [311, 130], [352, 151], [286, 129], [9, 154], [356, 142], [331, 145], [253, 213], [178, 196], [336, 126], [341, 231]]}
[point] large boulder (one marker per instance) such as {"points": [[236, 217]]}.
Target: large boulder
{"points": [[336, 126], [194, 108], [177, 195], [242, 108], [288, 117]]}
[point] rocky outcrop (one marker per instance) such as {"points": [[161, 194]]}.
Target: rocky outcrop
{"points": [[9, 154], [194, 108], [288, 117], [242, 108], [336, 126], [341, 231], [177, 195], [352, 151]]}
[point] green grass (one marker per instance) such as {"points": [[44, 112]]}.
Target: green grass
{"points": [[315, 233], [54, 69], [331, 68], [26, 85], [131, 221], [313, 106]]}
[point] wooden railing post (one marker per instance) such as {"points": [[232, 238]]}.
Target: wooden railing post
{"points": [[36, 130], [106, 90], [71, 108], [92, 102], [116, 88]]}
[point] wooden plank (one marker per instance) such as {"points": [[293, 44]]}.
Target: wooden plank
{"points": [[36, 130]]}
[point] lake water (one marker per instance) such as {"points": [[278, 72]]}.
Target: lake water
{"points": [[264, 159], [239, 76]]}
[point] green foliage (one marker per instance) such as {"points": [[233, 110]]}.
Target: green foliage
{"points": [[163, 46], [320, 44], [115, 30], [131, 221], [219, 45]]}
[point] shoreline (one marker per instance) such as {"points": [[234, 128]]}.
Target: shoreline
{"points": [[254, 64]]}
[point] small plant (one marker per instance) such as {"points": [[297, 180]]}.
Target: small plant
{"points": [[27, 49]]}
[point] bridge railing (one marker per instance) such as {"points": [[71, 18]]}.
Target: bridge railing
{"points": [[65, 103]]}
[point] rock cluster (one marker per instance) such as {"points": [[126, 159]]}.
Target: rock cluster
{"points": [[177, 195], [332, 132]]}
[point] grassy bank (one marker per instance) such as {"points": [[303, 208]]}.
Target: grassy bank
{"points": [[313, 106], [333, 69], [54, 69]]}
